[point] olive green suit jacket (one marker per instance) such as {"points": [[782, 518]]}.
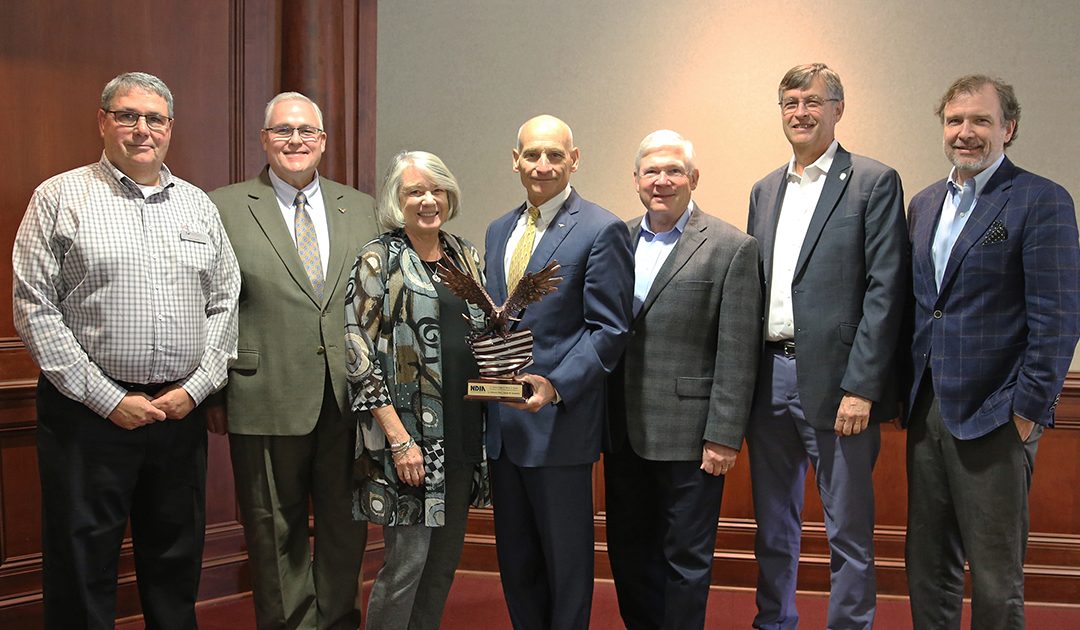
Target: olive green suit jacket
{"points": [[289, 340]]}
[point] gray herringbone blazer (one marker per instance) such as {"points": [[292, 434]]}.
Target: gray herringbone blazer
{"points": [[690, 366]]}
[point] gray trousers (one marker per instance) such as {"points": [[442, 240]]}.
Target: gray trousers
{"points": [[276, 478], [967, 499], [419, 563]]}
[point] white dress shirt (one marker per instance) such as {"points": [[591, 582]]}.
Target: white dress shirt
{"points": [[286, 198], [800, 199], [548, 210]]}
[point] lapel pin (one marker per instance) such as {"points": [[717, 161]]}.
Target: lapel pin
{"points": [[562, 225], [341, 210], [843, 176]]}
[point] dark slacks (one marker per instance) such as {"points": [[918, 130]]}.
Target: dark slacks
{"points": [[782, 443], [661, 533], [544, 541], [277, 478], [94, 475], [967, 499]]}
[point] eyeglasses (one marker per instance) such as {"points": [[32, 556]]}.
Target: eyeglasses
{"points": [[673, 174], [285, 132], [812, 104], [154, 122]]}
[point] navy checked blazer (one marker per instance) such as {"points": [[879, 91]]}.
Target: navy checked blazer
{"points": [[1000, 335]]}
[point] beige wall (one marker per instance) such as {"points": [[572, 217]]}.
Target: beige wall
{"points": [[457, 78]]}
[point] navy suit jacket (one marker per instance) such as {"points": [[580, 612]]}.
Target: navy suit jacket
{"points": [[999, 336], [850, 286], [579, 332]]}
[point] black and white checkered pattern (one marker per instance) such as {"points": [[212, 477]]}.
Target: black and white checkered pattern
{"points": [[114, 284], [434, 463]]}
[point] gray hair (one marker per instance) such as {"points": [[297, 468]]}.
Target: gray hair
{"points": [[124, 83], [800, 78], [972, 83], [662, 139], [389, 208], [292, 96]]}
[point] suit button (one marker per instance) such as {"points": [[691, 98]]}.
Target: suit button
{"points": [[937, 314], [320, 350]]}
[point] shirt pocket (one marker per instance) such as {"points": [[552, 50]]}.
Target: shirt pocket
{"points": [[195, 250]]}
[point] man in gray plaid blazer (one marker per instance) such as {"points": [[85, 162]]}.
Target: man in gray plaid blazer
{"points": [[996, 271], [681, 397]]}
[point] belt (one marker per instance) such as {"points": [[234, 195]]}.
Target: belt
{"points": [[786, 347], [147, 388]]}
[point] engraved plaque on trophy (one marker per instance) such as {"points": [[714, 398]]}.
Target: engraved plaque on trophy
{"points": [[500, 350]]}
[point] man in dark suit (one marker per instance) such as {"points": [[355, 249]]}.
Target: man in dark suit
{"points": [[291, 434], [834, 256], [542, 450], [996, 271], [681, 397]]}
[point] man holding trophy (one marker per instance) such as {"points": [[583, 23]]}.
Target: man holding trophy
{"points": [[542, 450]]}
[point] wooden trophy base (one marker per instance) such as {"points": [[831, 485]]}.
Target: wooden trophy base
{"points": [[498, 390]]}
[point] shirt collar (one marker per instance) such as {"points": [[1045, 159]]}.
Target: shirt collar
{"points": [[164, 177], [286, 192], [680, 225], [551, 207], [980, 179], [823, 163]]}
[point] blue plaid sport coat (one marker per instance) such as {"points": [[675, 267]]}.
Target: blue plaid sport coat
{"points": [[999, 336]]}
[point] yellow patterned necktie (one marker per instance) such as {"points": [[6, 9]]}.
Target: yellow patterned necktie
{"points": [[307, 245], [523, 251]]}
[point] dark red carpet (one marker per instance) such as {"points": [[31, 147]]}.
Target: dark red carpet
{"points": [[476, 602]]}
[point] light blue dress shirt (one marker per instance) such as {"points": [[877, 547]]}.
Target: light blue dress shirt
{"points": [[650, 252], [955, 212]]}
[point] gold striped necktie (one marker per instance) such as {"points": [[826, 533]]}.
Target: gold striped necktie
{"points": [[307, 245], [523, 251]]}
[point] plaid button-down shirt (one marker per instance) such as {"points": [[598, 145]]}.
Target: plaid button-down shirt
{"points": [[117, 282]]}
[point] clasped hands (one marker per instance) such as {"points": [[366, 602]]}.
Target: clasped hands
{"points": [[138, 409]]}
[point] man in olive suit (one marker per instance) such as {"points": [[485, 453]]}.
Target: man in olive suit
{"points": [[291, 434]]}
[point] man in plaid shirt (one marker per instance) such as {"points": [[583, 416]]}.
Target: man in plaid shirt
{"points": [[125, 293]]}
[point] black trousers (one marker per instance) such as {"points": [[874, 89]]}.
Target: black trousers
{"points": [[661, 533], [967, 500], [94, 476]]}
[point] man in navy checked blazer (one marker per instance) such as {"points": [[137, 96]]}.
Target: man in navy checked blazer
{"points": [[996, 272]]}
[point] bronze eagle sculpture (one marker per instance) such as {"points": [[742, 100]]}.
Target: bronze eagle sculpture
{"points": [[529, 289]]}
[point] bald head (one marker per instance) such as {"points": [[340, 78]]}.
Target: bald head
{"points": [[548, 125], [544, 158]]}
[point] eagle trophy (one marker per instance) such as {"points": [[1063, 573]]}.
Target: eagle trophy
{"points": [[529, 289]]}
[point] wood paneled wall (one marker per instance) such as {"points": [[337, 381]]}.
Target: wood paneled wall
{"points": [[223, 60]]}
